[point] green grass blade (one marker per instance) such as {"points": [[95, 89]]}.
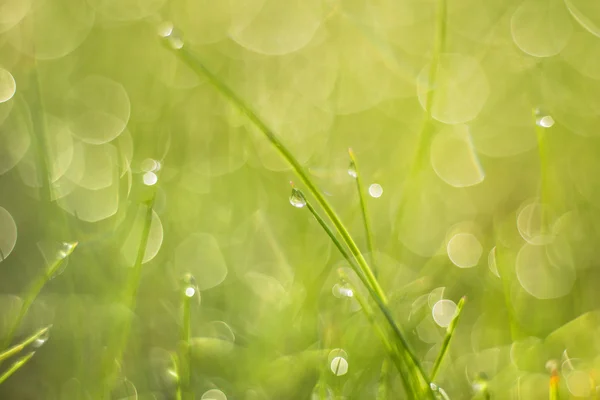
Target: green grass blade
{"points": [[19, 347], [446, 343], [35, 289], [383, 392], [405, 355], [115, 349], [411, 184], [184, 391], [363, 207], [199, 68], [15, 367], [410, 384]]}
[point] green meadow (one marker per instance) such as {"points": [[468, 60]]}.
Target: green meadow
{"points": [[282, 199]]}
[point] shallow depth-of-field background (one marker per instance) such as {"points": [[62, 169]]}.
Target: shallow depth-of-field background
{"points": [[492, 193]]}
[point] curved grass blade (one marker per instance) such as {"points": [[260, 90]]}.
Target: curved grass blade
{"points": [[411, 384], [446, 343], [405, 356], [21, 346], [15, 367], [363, 208], [35, 289], [200, 69]]}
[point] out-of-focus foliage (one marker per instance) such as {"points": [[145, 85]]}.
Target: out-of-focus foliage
{"points": [[96, 114]]}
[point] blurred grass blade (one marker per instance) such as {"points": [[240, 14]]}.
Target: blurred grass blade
{"points": [[363, 207], [447, 339], [554, 380], [118, 342], [184, 391], [35, 289], [405, 355], [15, 367], [411, 383], [199, 68], [411, 185], [383, 392], [19, 347]]}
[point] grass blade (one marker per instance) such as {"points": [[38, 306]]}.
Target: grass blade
{"points": [[35, 289], [15, 367], [19, 347], [199, 68], [406, 356], [115, 349], [425, 135], [383, 392], [184, 391], [447, 338], [363, 208]]}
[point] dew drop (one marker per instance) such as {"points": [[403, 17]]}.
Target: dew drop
{"points": [[545, 121], [175, 41], [150, 178], [8, 233], [339, 366], [375, 190], [189, 285], [341, 291], [41, 340], [352, 170], [297, 198], [165, 29]]}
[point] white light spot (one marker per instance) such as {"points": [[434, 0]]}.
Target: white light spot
{"points": [[375, 190], [8, 86], [8, 233], [150, 178], [165, 29], [443, 312], [190, 291], [464, 250], [545, 122], [214, 394], [339, 366]]}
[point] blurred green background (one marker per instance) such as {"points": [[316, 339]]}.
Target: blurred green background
{"points": [[96, 114]]}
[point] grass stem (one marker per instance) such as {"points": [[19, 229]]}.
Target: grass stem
{"points": [[199, 68], [15, 367], [19, 347], [446, 343], [363, 207]]}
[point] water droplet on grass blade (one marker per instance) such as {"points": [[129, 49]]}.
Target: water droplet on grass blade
{"points": [[165, 29], [40, 341], [545, 121], [297, 198], [492, 263], [352, 170]]}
